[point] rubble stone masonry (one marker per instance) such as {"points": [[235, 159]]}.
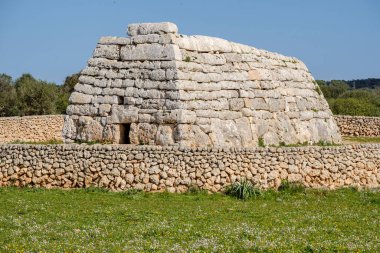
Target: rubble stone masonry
{"points": [[31, 128], [358, 125], [157, 168]]}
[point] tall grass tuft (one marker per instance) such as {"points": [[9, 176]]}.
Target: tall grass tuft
{"points": [[242, 190], [291, 187], [195, 190]]}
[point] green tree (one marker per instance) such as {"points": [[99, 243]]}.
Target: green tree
{"points": [[36, 97], [337, 87], [8, 98], [70, 82], [324, 88], [355, 107]]}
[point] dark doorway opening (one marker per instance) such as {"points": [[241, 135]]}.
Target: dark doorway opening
{"points": [[124, 134]]}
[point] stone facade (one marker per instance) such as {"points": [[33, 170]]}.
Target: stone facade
{"points": [[157, 168], [31, 128], [159, 87], [358, 125]]}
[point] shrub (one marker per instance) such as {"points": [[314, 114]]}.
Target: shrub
{"points": [[195, 190], [242, 190], [291, 187], [261, 142], [355, 107]]}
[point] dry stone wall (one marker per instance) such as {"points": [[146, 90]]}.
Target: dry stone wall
{"points": [[31, 128], [156, 168], [358, 125], [195, 91]]}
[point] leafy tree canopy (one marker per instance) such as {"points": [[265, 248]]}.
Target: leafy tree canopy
{"points": [[30, 96]]}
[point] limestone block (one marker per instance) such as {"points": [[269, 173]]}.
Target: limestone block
{"points": [[115, 83], [164, 136], [249, 85], [247, 133], [204, 44], [151, 28], [152, 94], [186, 116], [69, 130], [104, 63], [107, 51], [108, 40], [191, 136], [175, 116], [128, 83], [154, 38], [80, 98], [143, 133], [190, 58], [217, 105], [87, 89], [195, 86], [202, 95], [207, 113], [153, 52], [276, 104], [224, 133], [90, 71], [168, 85], [113, 92], [157, 74], [256, 103], [105, 99], [82, 110], [89, 129], [257, 114], [104, 109], [121, 114], [100, 82], [231, 85], [173, 105], [236, 104], [229, 115], [306, 115], [271, 138], [86, 79]]}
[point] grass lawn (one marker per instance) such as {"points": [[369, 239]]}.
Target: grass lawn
{"points": [[35, 220], [361, 139]]}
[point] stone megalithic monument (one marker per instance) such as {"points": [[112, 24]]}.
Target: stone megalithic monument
{"points": [[159, 87]]}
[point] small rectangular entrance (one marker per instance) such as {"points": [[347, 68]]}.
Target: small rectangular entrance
{"points": [[124, 133]]}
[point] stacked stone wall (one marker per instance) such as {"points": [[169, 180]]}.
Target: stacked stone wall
{"points": [[358, 125], [31, 128], [48, 127], [156, 168]]}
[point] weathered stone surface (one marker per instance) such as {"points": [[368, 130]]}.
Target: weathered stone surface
{"points": [[80, 98], [152, 52], [151, 28], [164, 136], [108, 40], [197, 91], [107, 51]]}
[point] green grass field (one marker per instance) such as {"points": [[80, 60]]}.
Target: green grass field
{"points": [[92, 220], [360, 139]]}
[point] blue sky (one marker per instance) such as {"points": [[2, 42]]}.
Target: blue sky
{"points": [[52, 39]]}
